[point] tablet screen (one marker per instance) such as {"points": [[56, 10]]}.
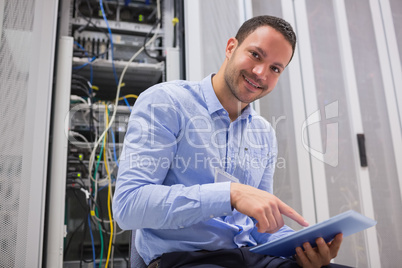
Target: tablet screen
{"points": [[348, 223]]}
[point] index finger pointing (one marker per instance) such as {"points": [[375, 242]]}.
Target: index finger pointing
{"points": [[291, 213]]}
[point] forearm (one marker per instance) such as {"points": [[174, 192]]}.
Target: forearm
{"points": [[169, 207]]}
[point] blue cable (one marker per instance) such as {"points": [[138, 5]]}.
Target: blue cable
{"points": [[114, 148], [104, 186], [111, 40], [91, 76], [128, 104], [82, 48], [113, 137], [92, 240], [82, 66], [90, 60]]}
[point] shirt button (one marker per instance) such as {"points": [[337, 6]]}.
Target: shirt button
{"points": [[224, 112], [181, 227], [225, 214], [211, 216]]}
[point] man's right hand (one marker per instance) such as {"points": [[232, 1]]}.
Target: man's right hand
{"points": [[266, 208]]}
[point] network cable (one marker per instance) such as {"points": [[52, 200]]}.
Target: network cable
{"points": [[90, 60], [108, 195], [92, 157], [92, 239], [111, 40]]}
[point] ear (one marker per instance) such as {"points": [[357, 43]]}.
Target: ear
{"points": [[231, 47]]}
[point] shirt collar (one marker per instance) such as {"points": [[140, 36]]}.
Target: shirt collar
{"points": [[213, 102], [211, 99], [248, 113]]}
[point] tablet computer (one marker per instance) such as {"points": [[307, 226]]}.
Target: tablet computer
{"points": [[348, 223]]}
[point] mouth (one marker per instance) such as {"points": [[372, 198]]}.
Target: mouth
{"points": [[251, 83]]}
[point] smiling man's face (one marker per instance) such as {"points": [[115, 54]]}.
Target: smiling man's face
{"points": [[253, 67]]}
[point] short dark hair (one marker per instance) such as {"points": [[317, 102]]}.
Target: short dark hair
{"points": [[278, 24]]}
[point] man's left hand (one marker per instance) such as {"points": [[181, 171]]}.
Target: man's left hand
{"points": [[320, 255]]}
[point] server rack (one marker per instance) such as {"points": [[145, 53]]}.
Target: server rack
{"points": [[119, 49]]}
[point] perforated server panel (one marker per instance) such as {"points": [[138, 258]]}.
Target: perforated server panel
{"points": [[28, 30]]}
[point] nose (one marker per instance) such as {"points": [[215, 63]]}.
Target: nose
{"points": [[261, 71]]}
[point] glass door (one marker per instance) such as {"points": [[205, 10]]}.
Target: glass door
{"points": [[376, 92]]}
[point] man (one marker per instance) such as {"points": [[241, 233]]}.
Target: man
{"points": [[196, 171]]}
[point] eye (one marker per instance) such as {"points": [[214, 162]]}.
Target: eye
{"points": [[275, 69], [255, 54]]}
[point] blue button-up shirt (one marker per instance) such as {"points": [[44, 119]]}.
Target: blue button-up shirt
{"points": [[178, 134]]}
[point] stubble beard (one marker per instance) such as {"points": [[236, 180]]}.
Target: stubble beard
{"points": [[234, 87], [230, 75]]}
